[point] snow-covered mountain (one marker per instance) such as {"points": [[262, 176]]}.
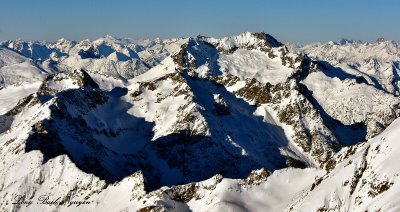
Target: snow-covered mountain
{"points": [[377, 62], [107, 57], [202, 124]]}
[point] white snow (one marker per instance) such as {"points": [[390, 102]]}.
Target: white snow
{"points": [[254, 64], [339, 97], [9, 97], [372, 60]]}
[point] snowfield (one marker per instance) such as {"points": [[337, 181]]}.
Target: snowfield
{"points": [[254, 64]]}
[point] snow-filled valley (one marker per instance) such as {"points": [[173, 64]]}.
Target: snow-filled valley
{"points": [[242, 123]]}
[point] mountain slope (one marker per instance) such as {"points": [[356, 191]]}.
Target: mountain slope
{"points": [[19, 77], [363, 73], [377, 62], [360, 178]]}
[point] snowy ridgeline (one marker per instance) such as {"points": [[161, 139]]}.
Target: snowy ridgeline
{"points": [[240, 123]]}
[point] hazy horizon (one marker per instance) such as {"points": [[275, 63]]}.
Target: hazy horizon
{"points": [[288, 21], [154, 38]]}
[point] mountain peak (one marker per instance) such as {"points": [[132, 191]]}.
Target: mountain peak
{"points": [[251, 37], [246, 40], [380, 40], [344, 41], [268, 38]]}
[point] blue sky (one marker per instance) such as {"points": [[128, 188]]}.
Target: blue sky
{"points": [[301, 21]]}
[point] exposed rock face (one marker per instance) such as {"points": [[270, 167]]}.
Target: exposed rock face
{"points": [[82, 79]]}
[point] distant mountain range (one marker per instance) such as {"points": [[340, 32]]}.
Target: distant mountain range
{"points": [[242, 123]]}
